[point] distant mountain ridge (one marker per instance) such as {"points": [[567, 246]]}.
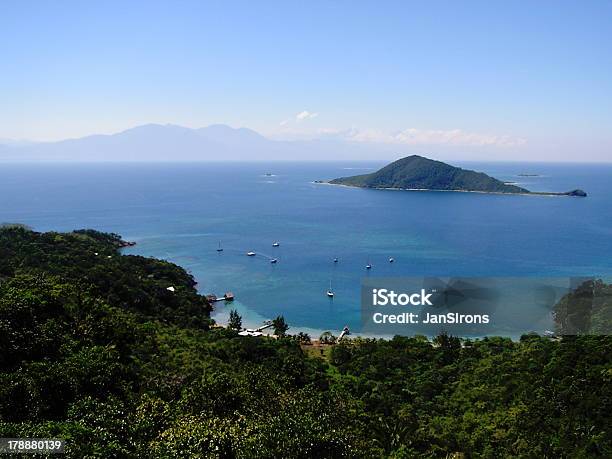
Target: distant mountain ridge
{"points": [[419, 173], [168, 142], [149, 141]]}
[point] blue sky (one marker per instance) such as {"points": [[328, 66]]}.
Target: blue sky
{"points": [[516, 79]]}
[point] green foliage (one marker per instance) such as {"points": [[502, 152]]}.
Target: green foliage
{"points": [[235, 320], [417, 172], [535, 398], [91, 260], [119, 367], [303, 338], [280, 326], [327, 338], [15, 225]]}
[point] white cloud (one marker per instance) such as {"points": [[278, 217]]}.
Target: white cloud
{"points": [[299, 117], [305, 115], [454, 137], [295, 128], [414, 136]]}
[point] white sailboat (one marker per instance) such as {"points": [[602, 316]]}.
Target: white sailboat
{"points": [[219, 249], [330, 292]]}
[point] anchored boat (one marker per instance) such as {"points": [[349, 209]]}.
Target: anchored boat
{"points": [[330, 292]]}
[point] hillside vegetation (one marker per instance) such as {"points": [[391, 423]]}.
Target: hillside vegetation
{"points": [[419, 173], [96, 350]]}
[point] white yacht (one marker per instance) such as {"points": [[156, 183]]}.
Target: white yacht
{"points": [[330, 292]]}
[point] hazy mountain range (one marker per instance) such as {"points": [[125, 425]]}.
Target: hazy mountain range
{"points": [[155, 142]]}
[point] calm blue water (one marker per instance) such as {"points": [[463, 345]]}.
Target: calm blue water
{"points": [[180, 211]]}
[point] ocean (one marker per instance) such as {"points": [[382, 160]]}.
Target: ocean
{"points": [[181, 211]]}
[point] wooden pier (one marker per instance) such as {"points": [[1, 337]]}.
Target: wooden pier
{"points": [[228, 296]]}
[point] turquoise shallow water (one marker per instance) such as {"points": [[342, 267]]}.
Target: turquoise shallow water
{"points": [[180, 211]]}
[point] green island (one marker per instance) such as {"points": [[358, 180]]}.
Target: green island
{"points": [[95, 349], [417, 173]]}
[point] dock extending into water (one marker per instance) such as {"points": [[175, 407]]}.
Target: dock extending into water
{"points": [[228, 296]]}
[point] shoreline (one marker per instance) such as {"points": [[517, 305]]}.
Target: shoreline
{"points": [[531, 193], [251, 319]]}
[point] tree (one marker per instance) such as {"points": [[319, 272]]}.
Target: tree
{"points": [[280, 326], [327, 338], [235, 320], [303, 338], [447, 342]]}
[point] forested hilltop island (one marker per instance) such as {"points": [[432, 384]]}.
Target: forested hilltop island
{"points": [[96, 350], [417, 173]]}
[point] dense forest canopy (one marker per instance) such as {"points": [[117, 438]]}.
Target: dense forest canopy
{"points": [[417, 172], [95, 349]]}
